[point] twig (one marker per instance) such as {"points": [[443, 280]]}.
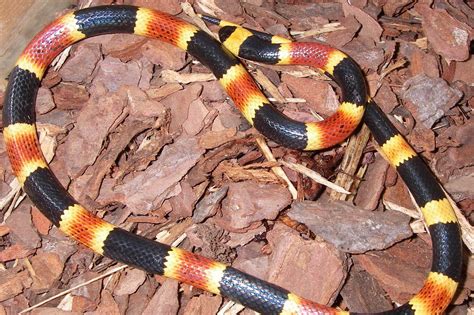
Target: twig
{"points": [[398, 64], [268, 85], [326, 28], [107, 273], [15, 188], [208, 8], [230, 308], [358, 180], [17, 198], [171, 76], [409, 212], [314, 176], [276, 169], [350, 161]]}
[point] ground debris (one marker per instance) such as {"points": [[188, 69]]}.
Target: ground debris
{"points": [[13, 283], [367, 230], [292, 261], [363, 294], [395, 265], [448, 36], [248, 203], [428, 99]]}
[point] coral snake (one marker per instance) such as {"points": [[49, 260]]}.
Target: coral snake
{"points": [[59, 206]]}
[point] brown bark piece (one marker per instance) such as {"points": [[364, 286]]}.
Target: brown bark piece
{"points": [[163, 91], [91, 181], [342, 37], [408, 260], [203, 304], [350, 162], [240, 239], [367, 55], [13, 252], [4, 230], [83, 146], [362, 293], [141, 105], [209, 204], [449, 37], [164, 55], [370, 27], [386, 98], [422, 139], [198, 174], [428, 98], [251, 259], [213, 139], [212, 91], [230, 7], [462, 150], [460, 186], [461, 74], [228, 116], [70, 96], [58, 243], [41, 222], [165, 300], [21, 228], [146, 73], [470, 273], [179, 103], [107, 304], [394, 7], [423, 63], [82, 304], [398, 194], [12, 283], [130, 281], [150, 188], [196, 115], [324, 102], [90, 291], [301, 14], [183, 203], [460, 154], [368, 194], [139, 300], [44, 101], [350, 228], [248, 203], [209, 239], [6, 171], [122, 46], [48, 268], [293, 261], [113, 73], [80, 66]]}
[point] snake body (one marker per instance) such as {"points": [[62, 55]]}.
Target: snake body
{"points": [[69, 216]]}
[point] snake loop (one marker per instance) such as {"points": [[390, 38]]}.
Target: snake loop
{"points": [[106, 239]]}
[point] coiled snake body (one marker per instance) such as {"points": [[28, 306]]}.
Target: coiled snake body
{"points": [[102, 237]]}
